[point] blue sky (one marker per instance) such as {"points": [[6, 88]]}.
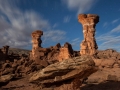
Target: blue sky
{"points": [[58, 20]]}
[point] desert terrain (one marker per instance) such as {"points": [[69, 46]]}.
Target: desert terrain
{"points": [[60, 67]]}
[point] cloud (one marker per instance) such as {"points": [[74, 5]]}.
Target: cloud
{"points": [[110, 23], [66, 19], [75, 42], [110, 39], [116, 30], [16, 25], [110, 42], [55, 25], [80, 5], [53, 35], [105, 24], [116, 20]]}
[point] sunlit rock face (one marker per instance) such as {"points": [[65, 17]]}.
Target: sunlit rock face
{"points": [[88, 45], [36, 41], [66, 75], [51, 54], [65, 52]]}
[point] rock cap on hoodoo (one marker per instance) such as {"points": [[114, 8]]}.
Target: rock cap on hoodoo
{"points": [[37, 33], [94, 17]]}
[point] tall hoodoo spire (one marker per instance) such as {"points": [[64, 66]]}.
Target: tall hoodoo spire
{"points": [[88, 45]]}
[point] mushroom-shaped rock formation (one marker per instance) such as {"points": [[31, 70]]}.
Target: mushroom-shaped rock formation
{"points": [[68, 73], [88, 45], [36, 41]]}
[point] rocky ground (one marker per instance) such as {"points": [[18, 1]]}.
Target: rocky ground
{"points": [[24, 74]]}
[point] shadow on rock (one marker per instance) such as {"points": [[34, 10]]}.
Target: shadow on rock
{"points": [[110, 85]]}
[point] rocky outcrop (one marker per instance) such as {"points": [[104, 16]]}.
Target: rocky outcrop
{"points": [[39, 54], [19, 68], [65, 52], [88, 45], [44, 56], [67, 74], [5, 79]]}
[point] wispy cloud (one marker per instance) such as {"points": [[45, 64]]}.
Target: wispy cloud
{"points": [[110, 42], [66, 19], [116, 29], [105, 24], [55, 25], [116, 20], [110, 39], [53, 35], [80, 5], [16, 25], [75, 42]]}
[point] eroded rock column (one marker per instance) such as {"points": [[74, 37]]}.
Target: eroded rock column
{"points": [[36, 42], [88, 45]]}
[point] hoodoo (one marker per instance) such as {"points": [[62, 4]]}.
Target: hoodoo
{"points": [[36, 41], [88, 45]]}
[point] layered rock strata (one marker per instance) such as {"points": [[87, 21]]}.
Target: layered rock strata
{"points": [[68, 73], [88, 45]]}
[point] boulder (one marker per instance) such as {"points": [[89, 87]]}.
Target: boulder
{"points": [[6, 78], [72, 70]]}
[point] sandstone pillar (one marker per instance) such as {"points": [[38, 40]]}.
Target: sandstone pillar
{"points": [[88, 45], [36, 42]]}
